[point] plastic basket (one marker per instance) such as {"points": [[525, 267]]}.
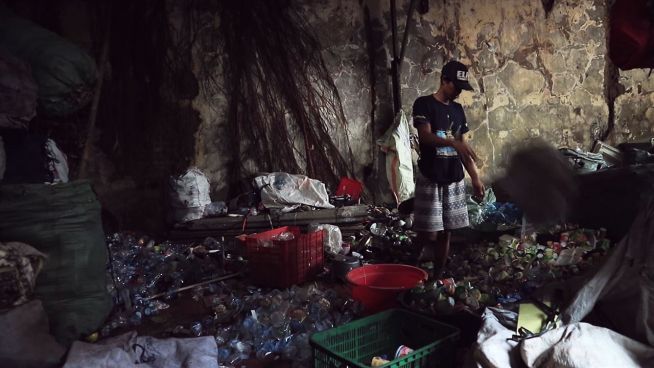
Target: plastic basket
{"points": [[377, 287], [281, 264], [356, 343]]}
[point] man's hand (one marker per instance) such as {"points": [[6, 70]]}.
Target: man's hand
{"points": [[464, 150], [478, 189]]}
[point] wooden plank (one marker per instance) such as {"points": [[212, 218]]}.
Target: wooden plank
{"points": [[349, 218], [342, 215]]}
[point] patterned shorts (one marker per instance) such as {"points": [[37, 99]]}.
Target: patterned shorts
{"points": [[439, 207]]}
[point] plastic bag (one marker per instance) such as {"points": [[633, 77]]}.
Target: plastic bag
{"points": [[333, 242], [189, 195], [285, 191], [57, 163], [475, 209]]}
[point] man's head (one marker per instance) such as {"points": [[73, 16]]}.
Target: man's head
{"points": [[454, 78]]}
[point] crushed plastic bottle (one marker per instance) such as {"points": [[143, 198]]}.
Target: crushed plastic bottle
{"points": [[285, 236]]}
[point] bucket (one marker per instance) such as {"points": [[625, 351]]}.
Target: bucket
{"points": [[377, 287]]}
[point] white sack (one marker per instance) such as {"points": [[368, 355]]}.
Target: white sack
{"points": [[189, 195], [582, 345], [285, 191], [129, 350], [396, 143], [493, 350]]}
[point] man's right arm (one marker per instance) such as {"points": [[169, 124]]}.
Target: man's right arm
{"points": [[426, 137]]}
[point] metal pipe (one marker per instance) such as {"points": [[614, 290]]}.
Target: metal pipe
{"points": [[221, 278]]}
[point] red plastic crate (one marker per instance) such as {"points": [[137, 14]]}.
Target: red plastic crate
{"points": [[281, 264]]}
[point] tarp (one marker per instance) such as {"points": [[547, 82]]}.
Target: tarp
{"points": [[396, 143], [63, 221], [130, 350]]}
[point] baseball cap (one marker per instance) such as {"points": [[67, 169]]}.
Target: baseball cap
{"points": [[458, 74]]}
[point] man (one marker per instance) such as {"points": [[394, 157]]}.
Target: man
{"points": [[440, 201]]}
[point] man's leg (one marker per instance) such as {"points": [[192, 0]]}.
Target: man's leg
{"points": [[441, 252], [427, 242]]}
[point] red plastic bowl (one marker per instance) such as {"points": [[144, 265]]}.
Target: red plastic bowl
{"points": [[377, 287]]}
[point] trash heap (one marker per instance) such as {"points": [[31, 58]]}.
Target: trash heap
{"points": [[143, 274], [280, 322], [247, 322], [386, 238], [508, 271]]}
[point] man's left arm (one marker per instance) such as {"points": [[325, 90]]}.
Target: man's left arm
{"points": [[471, 168]]}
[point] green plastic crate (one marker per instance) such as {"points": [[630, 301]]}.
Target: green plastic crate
{"points": [[356, 343]]}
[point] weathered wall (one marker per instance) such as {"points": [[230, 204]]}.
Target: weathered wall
{"points": [[634, 108], [339, 26], [533, 75]]}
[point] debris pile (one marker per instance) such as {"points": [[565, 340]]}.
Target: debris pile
{"points": [[509, 270], [247, 322], [145, 274]]}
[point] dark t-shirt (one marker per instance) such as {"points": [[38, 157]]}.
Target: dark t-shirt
{"points": [[447, 121]]}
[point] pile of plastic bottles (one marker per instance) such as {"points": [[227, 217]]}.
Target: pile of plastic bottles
{"points": [[141, 268], [246, 322], [279, 323], [509, 270]]}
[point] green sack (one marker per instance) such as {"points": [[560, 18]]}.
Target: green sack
{"points": [[64, 73], [63, 221]]}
